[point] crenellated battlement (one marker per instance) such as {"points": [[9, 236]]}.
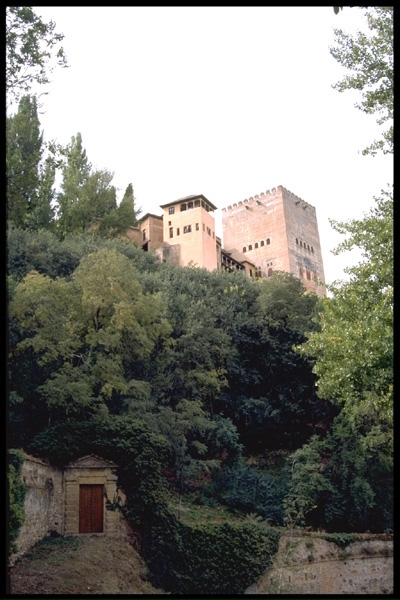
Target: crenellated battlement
{"points": [[257, 199], [298, 201], [265, 197], [277, 231]]}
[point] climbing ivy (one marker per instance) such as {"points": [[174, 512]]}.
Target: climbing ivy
{"points": [[17, 489]]}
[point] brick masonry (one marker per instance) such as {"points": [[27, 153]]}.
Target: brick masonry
{"points": [[277, 230], [274, 230]]}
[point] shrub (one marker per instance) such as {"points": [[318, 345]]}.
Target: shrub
{"points": [[16, 495]]}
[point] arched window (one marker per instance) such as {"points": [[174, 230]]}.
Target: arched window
{"points": [[262, 242], [269, 272], [256, 245], [297, 241], [268, 241], [244, 249], [250, 247], [301, 271]]}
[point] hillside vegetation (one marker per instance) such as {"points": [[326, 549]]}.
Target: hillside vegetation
{"points": [[204, 384], [249, 396]]}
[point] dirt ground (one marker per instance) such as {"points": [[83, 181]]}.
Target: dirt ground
{"points": [[84, 565]]}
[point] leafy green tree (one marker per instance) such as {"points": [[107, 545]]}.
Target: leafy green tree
{"points": [[87, 201], [75, 172], [354, 348], [31, 45], [120, 217], [353, 351], [187, 429], [44, 252], [30, 176], [369, 62], [271, 394], [306, 483], [254, 489], [88, 332], [23, 155], [358, 462], [193, 364]]}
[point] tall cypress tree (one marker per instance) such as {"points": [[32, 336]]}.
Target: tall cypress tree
{"points": [[75, 173], [23, 155], [123, 216]]}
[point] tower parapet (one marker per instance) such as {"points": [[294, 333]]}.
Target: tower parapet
{"points": [[268, 196], [276, 230]]}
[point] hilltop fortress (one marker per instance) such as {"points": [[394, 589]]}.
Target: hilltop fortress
{"points": [[275, 230]]}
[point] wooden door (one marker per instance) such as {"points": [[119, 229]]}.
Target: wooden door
{"points": [[91, 508]]}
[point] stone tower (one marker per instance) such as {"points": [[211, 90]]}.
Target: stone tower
{"points": [[189, 232], [276, 230]]}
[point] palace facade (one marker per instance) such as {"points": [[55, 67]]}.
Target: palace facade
{"points": [[275, 230]]}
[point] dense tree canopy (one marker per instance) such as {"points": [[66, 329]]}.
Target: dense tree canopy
{"points": [[252, 393], [353, 351], [354, 348], [90, 330]]}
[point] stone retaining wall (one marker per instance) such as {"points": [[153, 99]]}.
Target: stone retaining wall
{"points": [[309, 564], [49, 502], [44, 503]]}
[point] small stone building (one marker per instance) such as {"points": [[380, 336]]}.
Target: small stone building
{"points": [[76, 500], [89, 482]]}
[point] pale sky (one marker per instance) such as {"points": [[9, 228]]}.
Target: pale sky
{"points": [[227, 102]]}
